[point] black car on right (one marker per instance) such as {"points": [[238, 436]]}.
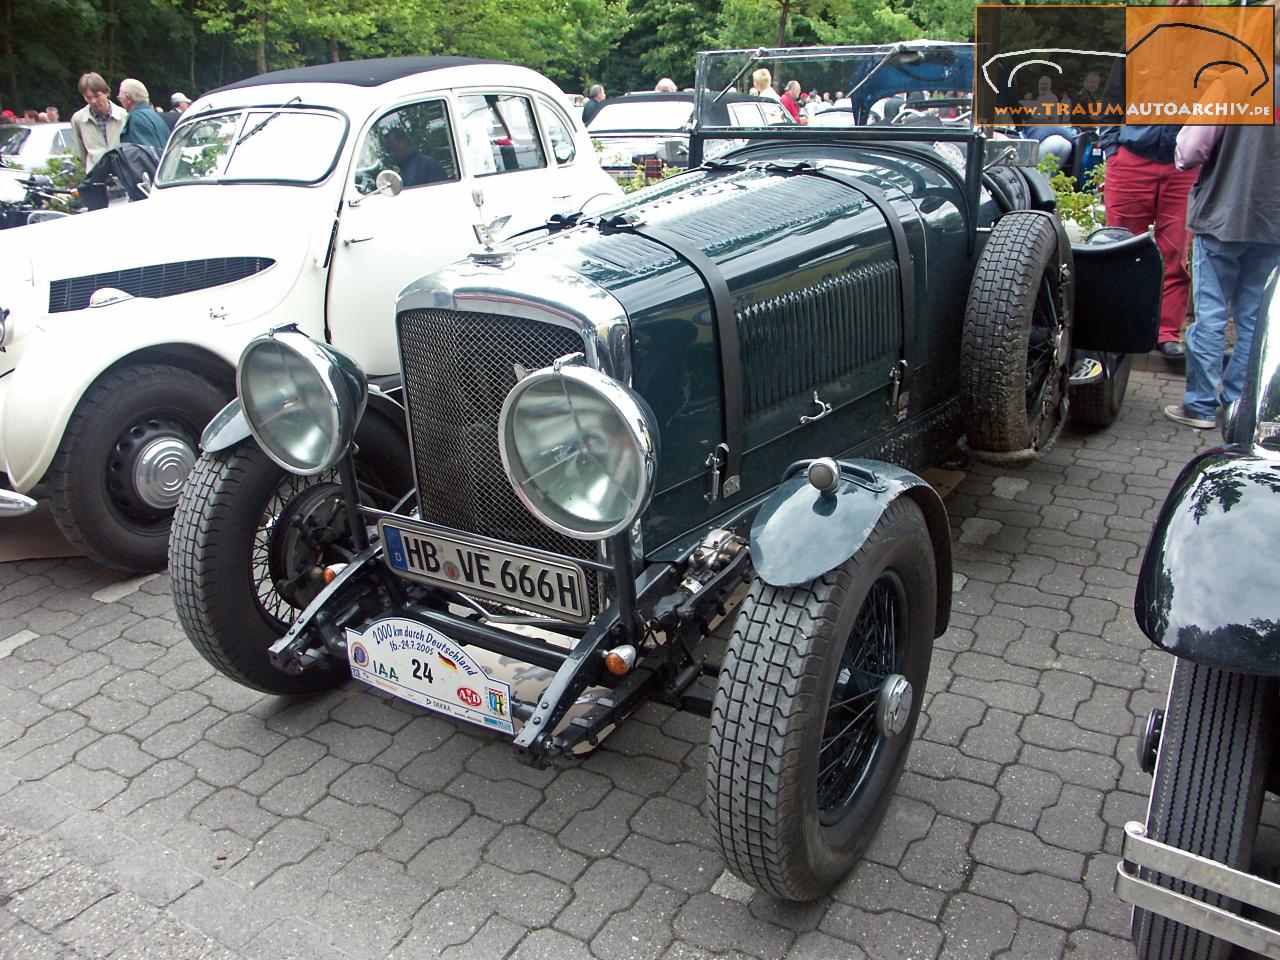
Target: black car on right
{"points": [[1209, 593]]}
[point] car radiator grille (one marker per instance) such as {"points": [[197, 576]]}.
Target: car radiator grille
{"points": [[458, 369]]}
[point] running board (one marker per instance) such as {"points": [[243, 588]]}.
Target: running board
{"points": [[1087, 371], [1140, 852]]}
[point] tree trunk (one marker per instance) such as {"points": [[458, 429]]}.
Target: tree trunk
{"points": [[782, 22], [261, 44], [333, 49], [14, 101], [111, 39]]}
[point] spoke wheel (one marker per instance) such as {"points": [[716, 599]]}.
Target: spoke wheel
{"points": [[851, 735], [1015, 346], [814, 710], [250, 545]]}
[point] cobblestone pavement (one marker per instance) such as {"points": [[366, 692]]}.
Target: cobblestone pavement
{"points": [[150, 808]]}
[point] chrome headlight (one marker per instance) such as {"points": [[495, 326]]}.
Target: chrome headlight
{"points": [[301, 399], [580, 450]]}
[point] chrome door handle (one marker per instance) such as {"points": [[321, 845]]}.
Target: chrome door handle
{"points": [[347, 243]]}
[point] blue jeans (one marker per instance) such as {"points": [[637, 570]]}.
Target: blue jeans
{"points": [[1227, 281]]}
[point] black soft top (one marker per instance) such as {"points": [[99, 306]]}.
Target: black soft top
{"points": [[359, 73]]}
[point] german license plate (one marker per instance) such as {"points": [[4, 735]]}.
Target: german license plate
{"points": [[528, 579], [420, 664]]}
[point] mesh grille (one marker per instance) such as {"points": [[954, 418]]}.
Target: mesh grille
{"points": [[155, 280], [458, 369]]}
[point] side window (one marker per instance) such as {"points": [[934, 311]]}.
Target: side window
{"points": [[561, 136], [499, 133], [60, 144], [416, 141]]}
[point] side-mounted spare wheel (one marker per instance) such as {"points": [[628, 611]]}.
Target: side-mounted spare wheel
{"points": [[250, 542], [815, 708], [123, 460], [1015, 349]]}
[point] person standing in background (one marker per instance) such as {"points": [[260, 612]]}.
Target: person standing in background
{"points": [[96, 127], [144, 126], [594, 96], [179, 102]]}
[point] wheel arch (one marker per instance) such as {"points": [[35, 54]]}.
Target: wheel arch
{"points": [[799, 534], [51, 380]]}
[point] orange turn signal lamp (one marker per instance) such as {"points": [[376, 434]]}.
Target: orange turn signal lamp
{"points": [[620, 660]]}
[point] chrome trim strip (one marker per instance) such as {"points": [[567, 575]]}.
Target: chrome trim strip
{"points": [[526, 289], [1139, 851], [16, 504]]}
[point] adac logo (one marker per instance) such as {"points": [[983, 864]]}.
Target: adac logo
{"points": [[359, 654], [469, 696]]}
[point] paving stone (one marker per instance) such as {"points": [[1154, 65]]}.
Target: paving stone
{"points": [[939, 859], [109, 924], [522, 849], [1018, 851], [718, 924], [550, 945], [605, 888], [885, 936], [451, 917], [293, 939], [297, 793], [359, 827], [151, 872], [430, 819], [642, 932], [681, 866], [1037, 896], [448, 860], [506, 802], [599, 830], [976, 927], [527, 898], [877, 889], [905, 822], [221, 766], [57, 898]]}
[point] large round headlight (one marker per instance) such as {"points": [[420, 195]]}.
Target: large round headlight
{"points": [[301, 399], [580, 450]]}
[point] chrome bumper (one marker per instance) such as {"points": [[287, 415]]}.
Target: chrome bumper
{"points": [[1139, 851], [15, 504]]}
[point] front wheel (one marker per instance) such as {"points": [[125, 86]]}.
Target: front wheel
{"points": [[1206, 797], [250, 543], [124, 457], [816, 704]]}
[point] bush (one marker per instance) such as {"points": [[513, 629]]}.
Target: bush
{"points": [[1083, 207]]}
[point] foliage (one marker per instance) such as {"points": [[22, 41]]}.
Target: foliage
{"points": [[1084, 207], [639, 180]]}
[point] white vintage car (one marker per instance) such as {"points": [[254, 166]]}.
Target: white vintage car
{"points": [[307, 197]]}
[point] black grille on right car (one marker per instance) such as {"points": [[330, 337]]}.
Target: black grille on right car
{"points": [[458, 370]]}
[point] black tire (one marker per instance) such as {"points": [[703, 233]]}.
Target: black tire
{"points": [[1206, 797], [778, 827], [1014, 348], [1097, 405], [236, 561], [95, 499]]}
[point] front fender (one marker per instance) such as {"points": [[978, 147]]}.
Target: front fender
{"points": [[229, 427], [798, 534], [58, 365], [1207, 590]]}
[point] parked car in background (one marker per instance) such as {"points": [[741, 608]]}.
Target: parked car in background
{"points": [[306, 197], [640, 127], [726, 380], [29, 147], [1209, 593]]}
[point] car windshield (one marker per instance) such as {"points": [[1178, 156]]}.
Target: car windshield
{"points": [[642, 115], [295, 146], [914, 83], [11, 139]]}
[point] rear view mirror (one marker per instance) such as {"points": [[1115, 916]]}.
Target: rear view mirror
{"points": [[389, 183], [1011, 153]]}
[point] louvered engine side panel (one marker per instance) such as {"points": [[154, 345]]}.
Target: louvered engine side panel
{"points": [[458, 369], [803, 339], [155, 280]]}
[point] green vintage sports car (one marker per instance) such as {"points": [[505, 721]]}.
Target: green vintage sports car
{"points": [[714, 395]]}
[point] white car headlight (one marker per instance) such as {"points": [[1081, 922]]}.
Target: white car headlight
{"points": [[580, 450], [302, 399]]}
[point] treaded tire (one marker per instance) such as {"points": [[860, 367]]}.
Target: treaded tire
{"points": [[1215, 752], [83, 506], [211, 557], [1098, 404], [1020, 253], [770, 711]]}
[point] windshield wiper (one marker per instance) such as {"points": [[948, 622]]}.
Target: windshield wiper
{"points": [[751, 62], [268, 118]]}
